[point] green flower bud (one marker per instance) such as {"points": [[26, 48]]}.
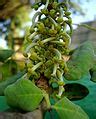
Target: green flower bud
{"points": [[60, 20], [29, 70], [36, 7], [32, 30], [60, 83], [33, 74], [41, 28], [58, 28], [54, 5], [28, 39], [25, 54], [69, 21], [44, 11], [46, 21], [52, 32], [33, 56], [52, 13], [65, 8], [48, 63], [29, 64], [67, 13]]}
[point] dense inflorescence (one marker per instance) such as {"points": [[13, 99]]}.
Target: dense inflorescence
{"points": [[80, 62], [48, 41]]}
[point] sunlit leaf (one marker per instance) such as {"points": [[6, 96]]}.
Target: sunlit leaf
{"points": [[68, 110], [9, 81], [23, 95], [80, 62]]}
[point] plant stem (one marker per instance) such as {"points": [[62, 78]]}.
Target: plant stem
{"points": [[54, 70], [48, 39], [70, 26], [46, 5], [61, 90], [61, 12], [46, 97], [32, 35], [86, 26], [29, 47], [53, 21], [58, 42], [57, 53], [59, 75], [34, 17], [36, 66], [67, 38]]}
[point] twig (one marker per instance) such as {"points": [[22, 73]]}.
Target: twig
{"points": [[86, 26]]}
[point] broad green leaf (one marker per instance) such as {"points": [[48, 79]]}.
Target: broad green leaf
{"points": [[4, 54], [24, 95], [80, 62], [68, 110], [9, 81]]}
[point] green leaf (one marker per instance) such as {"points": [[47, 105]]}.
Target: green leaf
{"points": [[80, 62], [24, 95], [5, 54], [8, 69], [68, 110], [9, 81]]}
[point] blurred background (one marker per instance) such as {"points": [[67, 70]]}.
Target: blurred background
{"points": [[16, 19]]}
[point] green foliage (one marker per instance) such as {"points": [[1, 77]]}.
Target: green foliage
{"points": [[8, 69], [68, 110], [5, 54], [24, 95], [51, 114], [80, 62], [9, 81], [46, 45]]}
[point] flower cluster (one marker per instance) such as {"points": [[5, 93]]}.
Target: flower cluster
{"points": [[49, 41]]}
